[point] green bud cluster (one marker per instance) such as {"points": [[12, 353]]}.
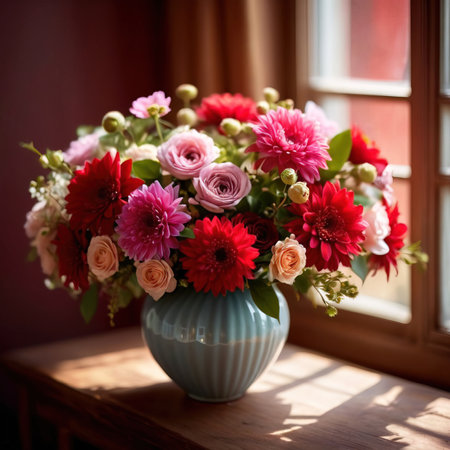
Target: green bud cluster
{"points": [[289, 176]]}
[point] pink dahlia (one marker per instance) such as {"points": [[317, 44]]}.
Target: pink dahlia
{"points": [[150, 222], [140, 106], [83, 149], [329, 226], [217, 107], [220, 257], [289, 139]]}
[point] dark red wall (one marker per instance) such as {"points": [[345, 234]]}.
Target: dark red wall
{"points": [[63, 63]]}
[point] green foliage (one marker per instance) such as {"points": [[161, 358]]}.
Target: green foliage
{"points": [[360, 267], [187, 233], [265, 298], [412, 254], [340, 148], [363, 200], [83, 130], [303, 282], [147, 169], [89, 301]]}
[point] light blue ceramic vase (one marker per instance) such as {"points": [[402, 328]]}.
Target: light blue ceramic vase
{"points": [[214, 348]]}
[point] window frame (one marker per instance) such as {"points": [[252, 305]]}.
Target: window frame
{"points": [[418, 350]]}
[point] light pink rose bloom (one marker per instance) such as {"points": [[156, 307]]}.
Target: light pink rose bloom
{"points": [[328, 127], [378, 230], [83, 149], [288, 260], [220, 187], [185, 154], [141, 152], [155, 277], [35, 219], [140, 106], [384, 183], [46, 250], [102, 257]]}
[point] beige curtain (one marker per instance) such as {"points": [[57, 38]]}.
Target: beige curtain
{"points": [[229, 45]]}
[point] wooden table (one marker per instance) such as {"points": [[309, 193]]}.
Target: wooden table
{"points": [[108, 391]]}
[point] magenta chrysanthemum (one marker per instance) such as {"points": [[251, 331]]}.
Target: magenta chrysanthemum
{"points": [[289, 139], [150, 222]]}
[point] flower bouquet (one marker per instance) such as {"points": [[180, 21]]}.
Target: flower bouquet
{"points": [[237, 195]]}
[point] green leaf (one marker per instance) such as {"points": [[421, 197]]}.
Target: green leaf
{"points": [[32, 254], [302, 283], [30, 146], [264, 258], [360, 267], [363, 200], [265, 298], [124, 298], [340, 148], [83, 130], [89, 302], [147, 169], [187, 233]]}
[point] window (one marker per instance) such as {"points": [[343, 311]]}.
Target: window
{"points": [[385, 67]]}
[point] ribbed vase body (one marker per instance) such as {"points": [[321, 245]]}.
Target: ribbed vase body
{"points": [[214, 348]]}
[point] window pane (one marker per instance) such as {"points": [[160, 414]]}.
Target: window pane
{"points": [[445, 47], [445, 258], [366, 39], [445, 140], [386, 122]]}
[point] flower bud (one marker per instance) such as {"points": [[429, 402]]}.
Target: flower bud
{"points": [[247, 128], [331, 311], [186, 116], [231, 127], [271, 95], [113, 121], [299, 192], [44, 161], [262, 107], [55, 159], [186, 92], [366, 173], [287, 103], [289, 176]]}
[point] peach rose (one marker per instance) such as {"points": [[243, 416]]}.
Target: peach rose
{"points": [[102, 257], [46, 250], [155, 277], [288, 260]]}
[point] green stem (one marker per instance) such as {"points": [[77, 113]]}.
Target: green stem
{"points": [[158, 128]]}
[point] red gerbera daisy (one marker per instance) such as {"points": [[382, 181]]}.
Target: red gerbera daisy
{"points": [[264, 229], [220, 256], [217, 107], [329, 226], [97, 194], [394, 242], [364, 151], [71, 248]]}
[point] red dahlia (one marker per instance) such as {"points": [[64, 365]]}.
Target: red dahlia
{"points": [[98, 192], [71, 248], [363, 151], [264, 229], [329, 226], [217, 107], [394, 242], [220, 256]]}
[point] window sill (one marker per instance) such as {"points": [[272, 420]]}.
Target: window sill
{"points": [[108, 391]]}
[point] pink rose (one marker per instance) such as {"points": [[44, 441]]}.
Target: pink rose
{"points": [[288, 260], [378, 230], [102, 257], [141, 152], [46, 250], [384, 183], [35, 219], [185, 154], [83, 149], [155, 277], [220, 187]]}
